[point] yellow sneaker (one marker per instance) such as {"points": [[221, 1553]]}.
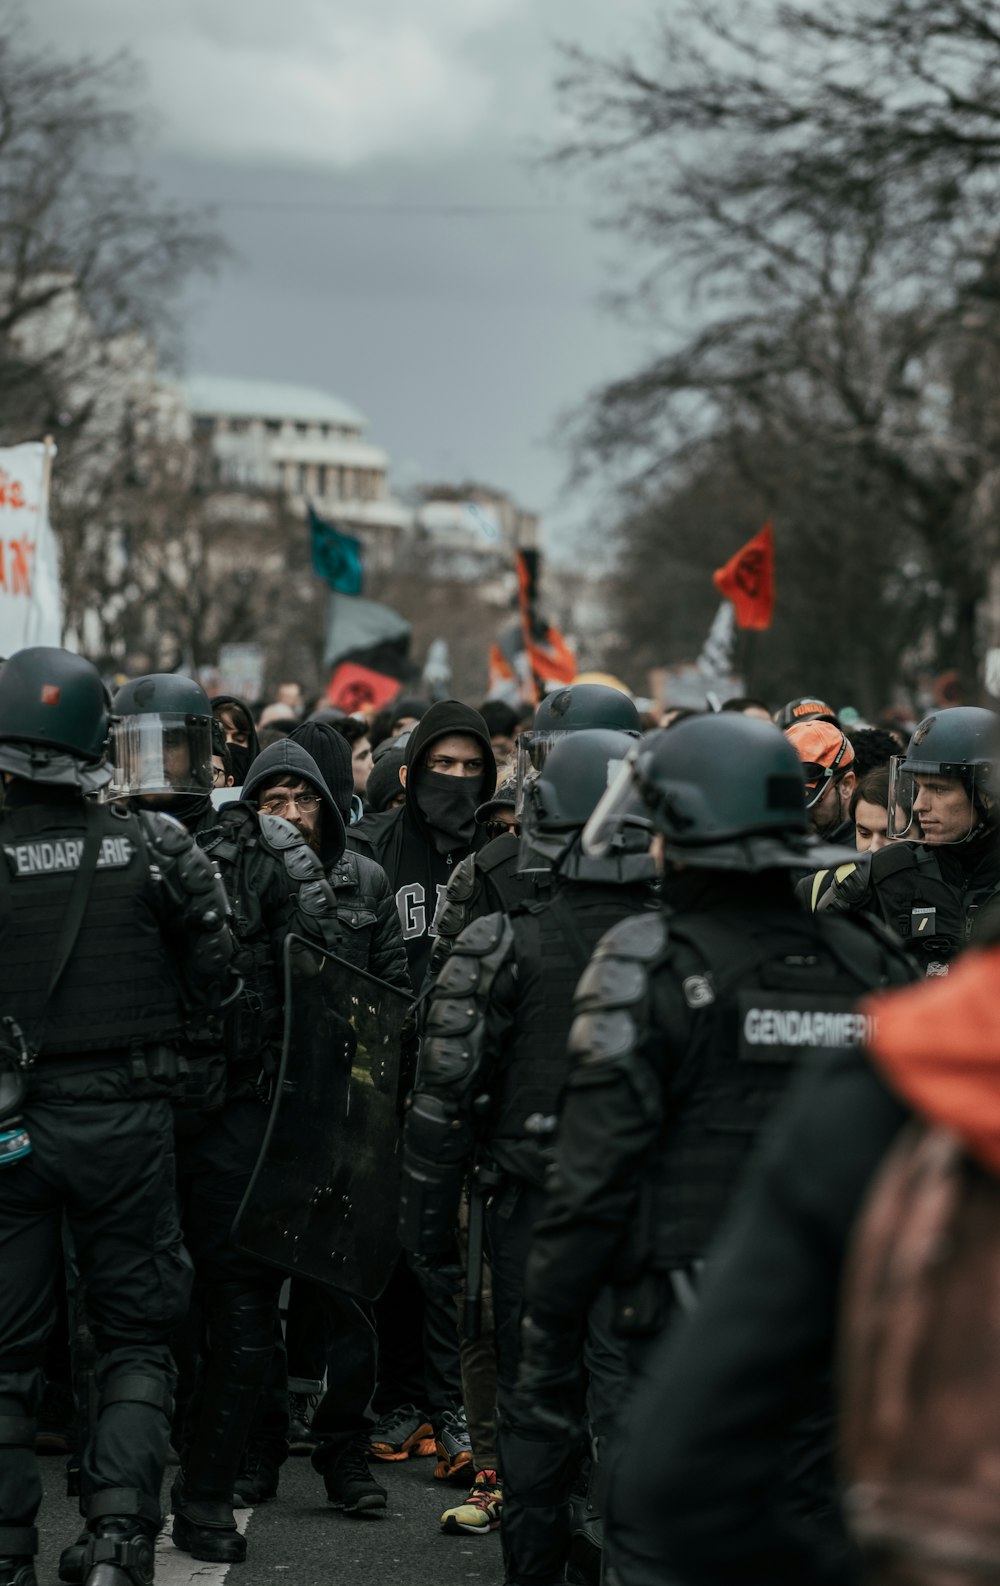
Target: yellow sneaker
{"points": [[479, 1512]]}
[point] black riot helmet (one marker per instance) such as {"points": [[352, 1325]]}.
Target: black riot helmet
{"points": [[725, 791], [574, 709], [54, 719], [958, 745], [162, 738], [560, 800]]}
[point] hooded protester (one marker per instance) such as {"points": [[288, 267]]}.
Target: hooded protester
{"points": [[286, 778], [370, 929], [237, 723], [385, 791], [332, 754], [448, 771]]}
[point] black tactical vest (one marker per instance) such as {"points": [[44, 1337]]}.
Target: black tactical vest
{"points": [[761, 996], [916, 898], [553, 941], [117, 991], [504, 886]]}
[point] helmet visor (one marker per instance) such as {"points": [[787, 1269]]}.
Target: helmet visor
{"points": [[533, 749], [617, 810], [938, 807], [161, 754]]}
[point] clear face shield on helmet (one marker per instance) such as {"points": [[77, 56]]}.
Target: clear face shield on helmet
{"points": [[938, 805], [533, 749], [163, 754], [620, 814]]}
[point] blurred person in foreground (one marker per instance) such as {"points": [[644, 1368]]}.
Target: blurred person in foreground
{"points": [[697, 1497]]}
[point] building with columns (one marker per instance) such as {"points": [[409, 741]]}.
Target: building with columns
{"points": [[299, 441]]}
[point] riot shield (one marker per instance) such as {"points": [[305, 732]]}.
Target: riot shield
{"points": [[323, 1200]]}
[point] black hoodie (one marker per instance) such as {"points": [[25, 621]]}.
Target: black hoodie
{"points": [[416, 856], [241, 758], [365, 906], [287, 758]]}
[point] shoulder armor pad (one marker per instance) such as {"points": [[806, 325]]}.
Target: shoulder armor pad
{"points": [[280, 835], [644, 937], [460, 975], [164, 832], [602, 1039], [484, 935], [462, 880], [611, 982]]}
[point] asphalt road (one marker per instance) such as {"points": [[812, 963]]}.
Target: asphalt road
{"points": [[298, 1538]]}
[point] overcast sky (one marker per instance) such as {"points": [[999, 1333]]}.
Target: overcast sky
{"points": [[393, 244]]}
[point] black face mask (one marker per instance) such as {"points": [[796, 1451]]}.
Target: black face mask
{"points": [[239, 756], [448, 805]]}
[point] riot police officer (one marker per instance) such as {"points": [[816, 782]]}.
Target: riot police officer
{"points": [[114, 935], [491, 879], [689, 1023], [942, 865], [276, 884], [493, 1065]]}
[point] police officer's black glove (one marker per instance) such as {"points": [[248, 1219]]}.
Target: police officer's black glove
{"points": [[549, 1394]]}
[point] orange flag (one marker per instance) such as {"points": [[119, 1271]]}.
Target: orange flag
{"points": [[748, 580], [549, 656]]}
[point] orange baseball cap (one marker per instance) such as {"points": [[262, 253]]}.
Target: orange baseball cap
{"points": [[825, 752]]}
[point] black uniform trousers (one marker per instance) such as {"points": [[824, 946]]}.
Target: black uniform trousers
{"points": [[333, 1335], [110, 1166], [538, 1469], [237, 1296]]}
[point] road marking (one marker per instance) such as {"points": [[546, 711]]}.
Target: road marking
{"points": [[174, 1568]]}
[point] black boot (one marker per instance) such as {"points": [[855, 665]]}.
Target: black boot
{"points": [[242, 1330], [206, 1528], [119, 1553], [351, 1486], [73, 1559]]}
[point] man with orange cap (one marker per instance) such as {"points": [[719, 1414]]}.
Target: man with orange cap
{"points": [[827, 756]]}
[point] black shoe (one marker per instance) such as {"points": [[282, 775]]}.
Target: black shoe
{"points": [[301, 1408], [257, 1480], [351, 1486], [18, 1571], [207, 1530]]}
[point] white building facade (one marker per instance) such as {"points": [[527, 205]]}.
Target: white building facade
{"points": [[307, 444]]}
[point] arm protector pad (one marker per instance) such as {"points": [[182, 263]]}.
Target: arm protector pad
{"points": [[436, 1146], [195, 896], [452, 914], [611, 999]]}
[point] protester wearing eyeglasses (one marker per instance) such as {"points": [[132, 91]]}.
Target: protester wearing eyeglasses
{"points": [[328, 1334], [827, 756]]}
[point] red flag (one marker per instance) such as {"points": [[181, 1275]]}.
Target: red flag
{"points": [[748, 580], [549, 656], [353, 687]]}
